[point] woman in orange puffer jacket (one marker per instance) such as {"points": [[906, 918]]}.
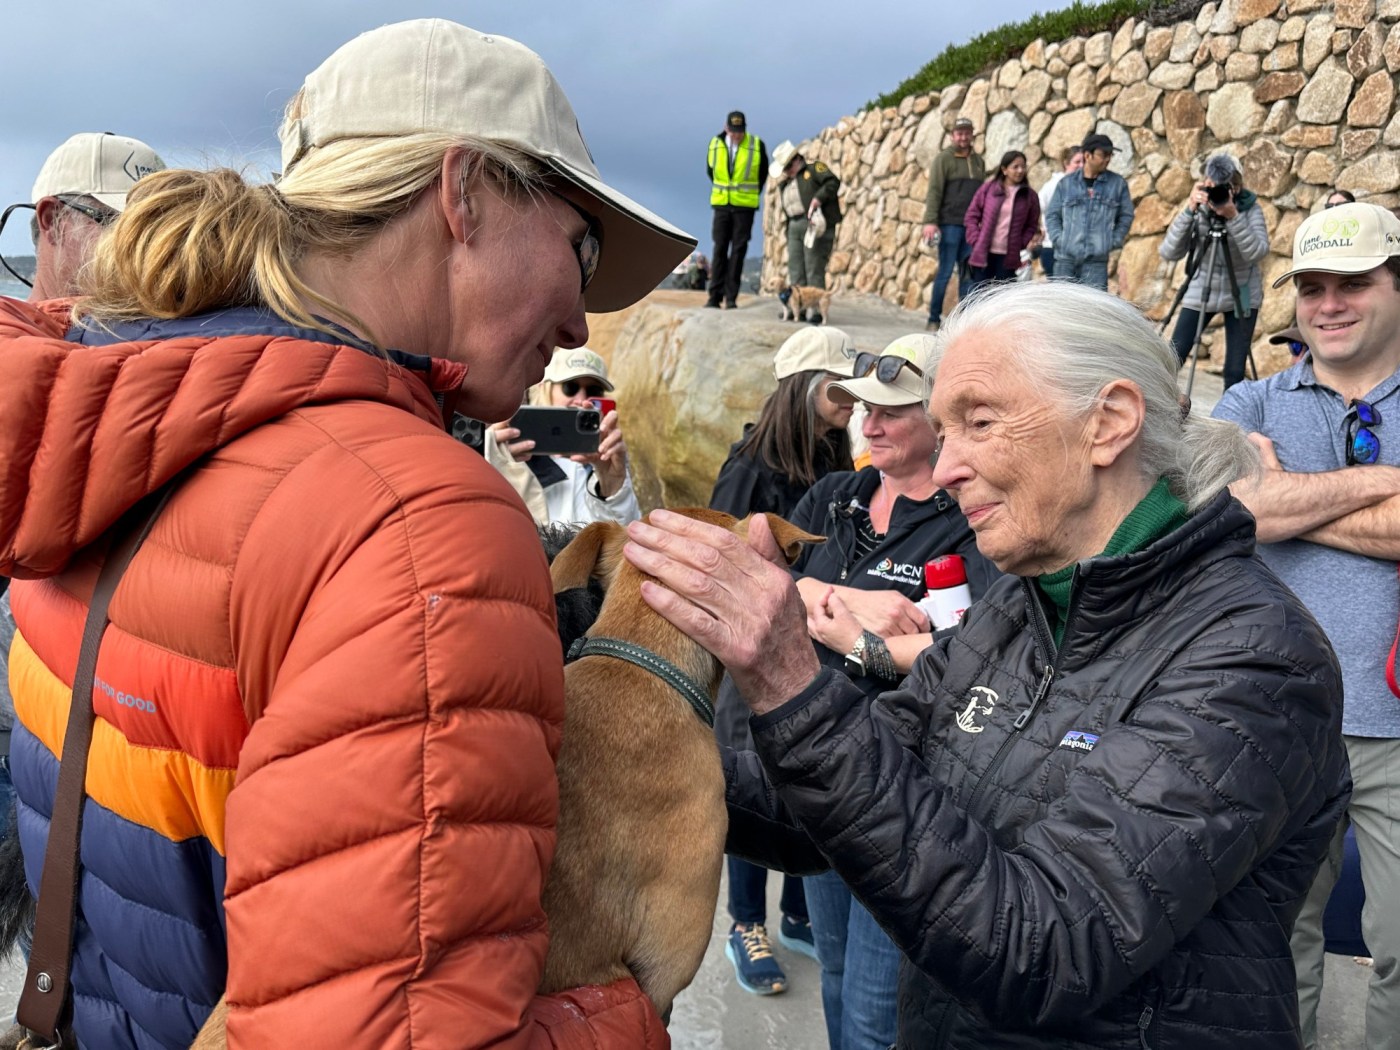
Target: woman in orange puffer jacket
{"points": [[329, 703]]}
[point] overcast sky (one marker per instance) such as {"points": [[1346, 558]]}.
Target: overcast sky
{"points": [[204, 83]]}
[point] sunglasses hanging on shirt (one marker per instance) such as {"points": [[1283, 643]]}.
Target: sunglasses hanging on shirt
{"points": [[1363, 445]]}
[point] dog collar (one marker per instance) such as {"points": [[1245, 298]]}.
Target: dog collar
{"points": [[648, 661]]}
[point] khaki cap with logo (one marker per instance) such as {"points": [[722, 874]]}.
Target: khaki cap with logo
{"points": [[908, 385], [575, 364], [432, 75], [815, 350], [96, 164], [1350, 238]]}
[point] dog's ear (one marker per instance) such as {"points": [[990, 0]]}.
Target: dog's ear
{"points": [[790, 538], [595, 553]]}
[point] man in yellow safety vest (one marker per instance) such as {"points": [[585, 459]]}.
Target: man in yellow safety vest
{"points": [[737, 164]]}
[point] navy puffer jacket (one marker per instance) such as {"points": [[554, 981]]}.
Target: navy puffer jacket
{"points": [[1104, 845]]}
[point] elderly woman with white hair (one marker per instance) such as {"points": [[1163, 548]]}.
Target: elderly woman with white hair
{"points": [[1089, 815]]}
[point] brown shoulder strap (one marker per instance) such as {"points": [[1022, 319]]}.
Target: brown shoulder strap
{"points": [[44, 1003]]}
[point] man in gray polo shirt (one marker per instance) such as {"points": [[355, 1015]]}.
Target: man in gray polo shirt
{"points": [[1328, 508]]}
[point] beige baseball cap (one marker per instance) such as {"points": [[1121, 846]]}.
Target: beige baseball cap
{"points": [[96, 164], [1350, 238], [815, 350], [906, 388], [430, 74], [575, 364]]}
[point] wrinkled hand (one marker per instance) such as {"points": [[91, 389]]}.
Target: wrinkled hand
{"points": [[832, 624], [733, 597], [610, 461], [887, 613], [507, 437]]}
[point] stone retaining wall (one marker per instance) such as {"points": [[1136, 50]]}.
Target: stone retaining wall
{"points": [[1302, 91]]}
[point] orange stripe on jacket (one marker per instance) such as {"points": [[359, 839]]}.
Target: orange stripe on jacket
{"points": [[154, 697], [192, 805]]}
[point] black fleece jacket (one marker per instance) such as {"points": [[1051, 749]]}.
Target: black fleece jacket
{"points": [[1104, 845]]}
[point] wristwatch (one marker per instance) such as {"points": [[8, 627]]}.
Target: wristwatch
{"points": [[855, 659]]}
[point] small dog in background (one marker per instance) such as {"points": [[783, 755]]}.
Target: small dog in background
{"points": [[804, 302]]}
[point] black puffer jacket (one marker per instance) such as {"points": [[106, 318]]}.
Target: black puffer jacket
{"points": [[1104, 846], [918, 530]]}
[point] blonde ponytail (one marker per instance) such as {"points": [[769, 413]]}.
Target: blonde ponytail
{"points": [[190, 242]]}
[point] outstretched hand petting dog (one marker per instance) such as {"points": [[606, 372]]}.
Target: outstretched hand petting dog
{"points": [[733, 597]]}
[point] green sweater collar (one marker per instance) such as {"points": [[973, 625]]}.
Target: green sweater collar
{"points": [[1157, 514]]}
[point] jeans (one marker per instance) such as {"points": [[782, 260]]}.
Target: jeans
{"points": [[731, 229], [1047, 260], [995, 270], [860, 967], [952, 255], [1093, 272], [1374, 814], [748, 897], [1239, 333]]}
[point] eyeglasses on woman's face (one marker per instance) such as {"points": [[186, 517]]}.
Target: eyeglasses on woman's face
{"points": [[885, 367], [1361, 422], [589, 248]]}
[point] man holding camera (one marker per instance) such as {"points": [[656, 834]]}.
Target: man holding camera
{"points": [[1089, 216], [1222, 235], [1328, 512]]}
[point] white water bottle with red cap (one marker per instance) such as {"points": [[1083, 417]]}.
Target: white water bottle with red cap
{"points": [[948, 594]]}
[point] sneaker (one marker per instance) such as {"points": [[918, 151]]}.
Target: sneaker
{"points": [[932, 326], [796, 935], [713, 304], [730, 304], [751, 953]]}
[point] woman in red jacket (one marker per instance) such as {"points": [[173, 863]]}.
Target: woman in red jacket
{"points": [[330, 699], [1003, 220]]}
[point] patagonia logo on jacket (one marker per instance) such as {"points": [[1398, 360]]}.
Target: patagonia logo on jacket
{"points": [[1079, 740]]}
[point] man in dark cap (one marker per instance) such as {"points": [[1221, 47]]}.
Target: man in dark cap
{"points": [[737, 164], [1089, 216]]}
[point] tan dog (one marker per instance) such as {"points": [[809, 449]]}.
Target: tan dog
{"points": [[641, 791], [642, 821], [799, 300]]}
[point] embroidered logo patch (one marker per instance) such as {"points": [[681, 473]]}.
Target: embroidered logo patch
{"points": [[1078, 740], [979, 703]]}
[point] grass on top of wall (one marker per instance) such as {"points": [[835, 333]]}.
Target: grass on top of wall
{"points": [[963, 62]]}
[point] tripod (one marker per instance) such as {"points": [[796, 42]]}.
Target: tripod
{"points": [[1217, 246]]}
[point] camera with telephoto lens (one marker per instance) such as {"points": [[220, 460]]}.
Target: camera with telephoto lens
{"points": [[1219, 194]]}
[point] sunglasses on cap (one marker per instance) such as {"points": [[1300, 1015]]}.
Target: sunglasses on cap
{"points": [[1362, 421], [885, 367], [589, 249], [100, 215], [571, 387]]}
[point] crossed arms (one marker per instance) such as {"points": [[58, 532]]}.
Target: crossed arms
{"points": [[1356, 509]]}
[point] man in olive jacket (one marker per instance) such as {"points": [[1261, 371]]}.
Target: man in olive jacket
{"points": [[953, 179]]}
